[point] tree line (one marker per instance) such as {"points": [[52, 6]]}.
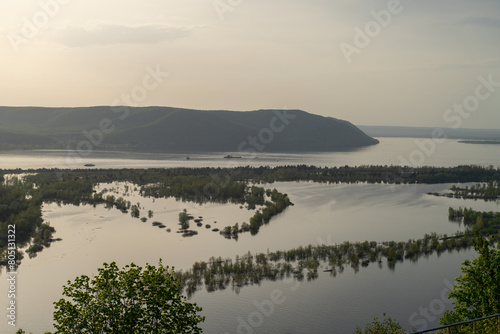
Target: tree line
{"points": [[486, 223], [20, 203], [278, 203], [21, 208], [486, 191], [218, 273], [219, 177]]}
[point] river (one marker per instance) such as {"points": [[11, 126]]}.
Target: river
{"points": [[412, 292], [390, 151]]}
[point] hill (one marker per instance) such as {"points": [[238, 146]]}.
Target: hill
{"points": [[168, 129]]}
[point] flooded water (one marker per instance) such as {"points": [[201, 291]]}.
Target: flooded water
{"points": [[322, 214], [339, 304]]}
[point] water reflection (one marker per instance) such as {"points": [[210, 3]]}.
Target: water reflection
{"points": [[387, 152], [218, 273], [323, 214]]}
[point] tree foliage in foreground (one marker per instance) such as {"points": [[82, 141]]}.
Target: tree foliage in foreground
{"points": [[477, 290], [387, 326], [128, 300]]}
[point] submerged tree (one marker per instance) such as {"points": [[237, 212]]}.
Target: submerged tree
{"points": [[129, 300], [184, 220]]}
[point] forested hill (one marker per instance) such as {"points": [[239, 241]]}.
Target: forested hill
{"points": [[176, 130]]}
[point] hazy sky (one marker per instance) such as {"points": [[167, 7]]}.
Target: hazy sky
{"points": [[369, 62]]}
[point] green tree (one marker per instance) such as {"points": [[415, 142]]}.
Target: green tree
{"points": [[387, 326], [235, 229], [479, 223], [135, 211], [184, 220], [477, 290], [128, 300]]}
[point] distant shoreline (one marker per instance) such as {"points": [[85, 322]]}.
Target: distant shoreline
{"points": [[429, 132], [483, 142]]}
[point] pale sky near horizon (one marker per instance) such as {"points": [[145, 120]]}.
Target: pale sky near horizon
{"points": [[259, 54]]}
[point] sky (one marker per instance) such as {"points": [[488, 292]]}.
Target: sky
{"points": [[429, 63]]}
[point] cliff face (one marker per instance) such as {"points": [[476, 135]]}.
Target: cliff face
{"points": [[177, 130]]}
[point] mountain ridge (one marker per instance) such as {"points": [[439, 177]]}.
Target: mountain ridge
{"points": [[170, 129]]}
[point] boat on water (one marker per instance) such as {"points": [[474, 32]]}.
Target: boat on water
{"points": [[188, 158], [89, 165], [231, 157]]}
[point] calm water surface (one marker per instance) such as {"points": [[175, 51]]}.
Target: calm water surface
{"points": [[390, 151], [322, 214]]}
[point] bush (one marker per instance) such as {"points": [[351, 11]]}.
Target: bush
{"points": [[130, 300], [387, 326]]}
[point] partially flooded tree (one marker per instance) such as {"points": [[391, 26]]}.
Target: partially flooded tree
{"points": [[184, 220]]}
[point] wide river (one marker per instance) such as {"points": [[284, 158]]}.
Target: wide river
{"points": [[414, 293], [390, 151]]}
